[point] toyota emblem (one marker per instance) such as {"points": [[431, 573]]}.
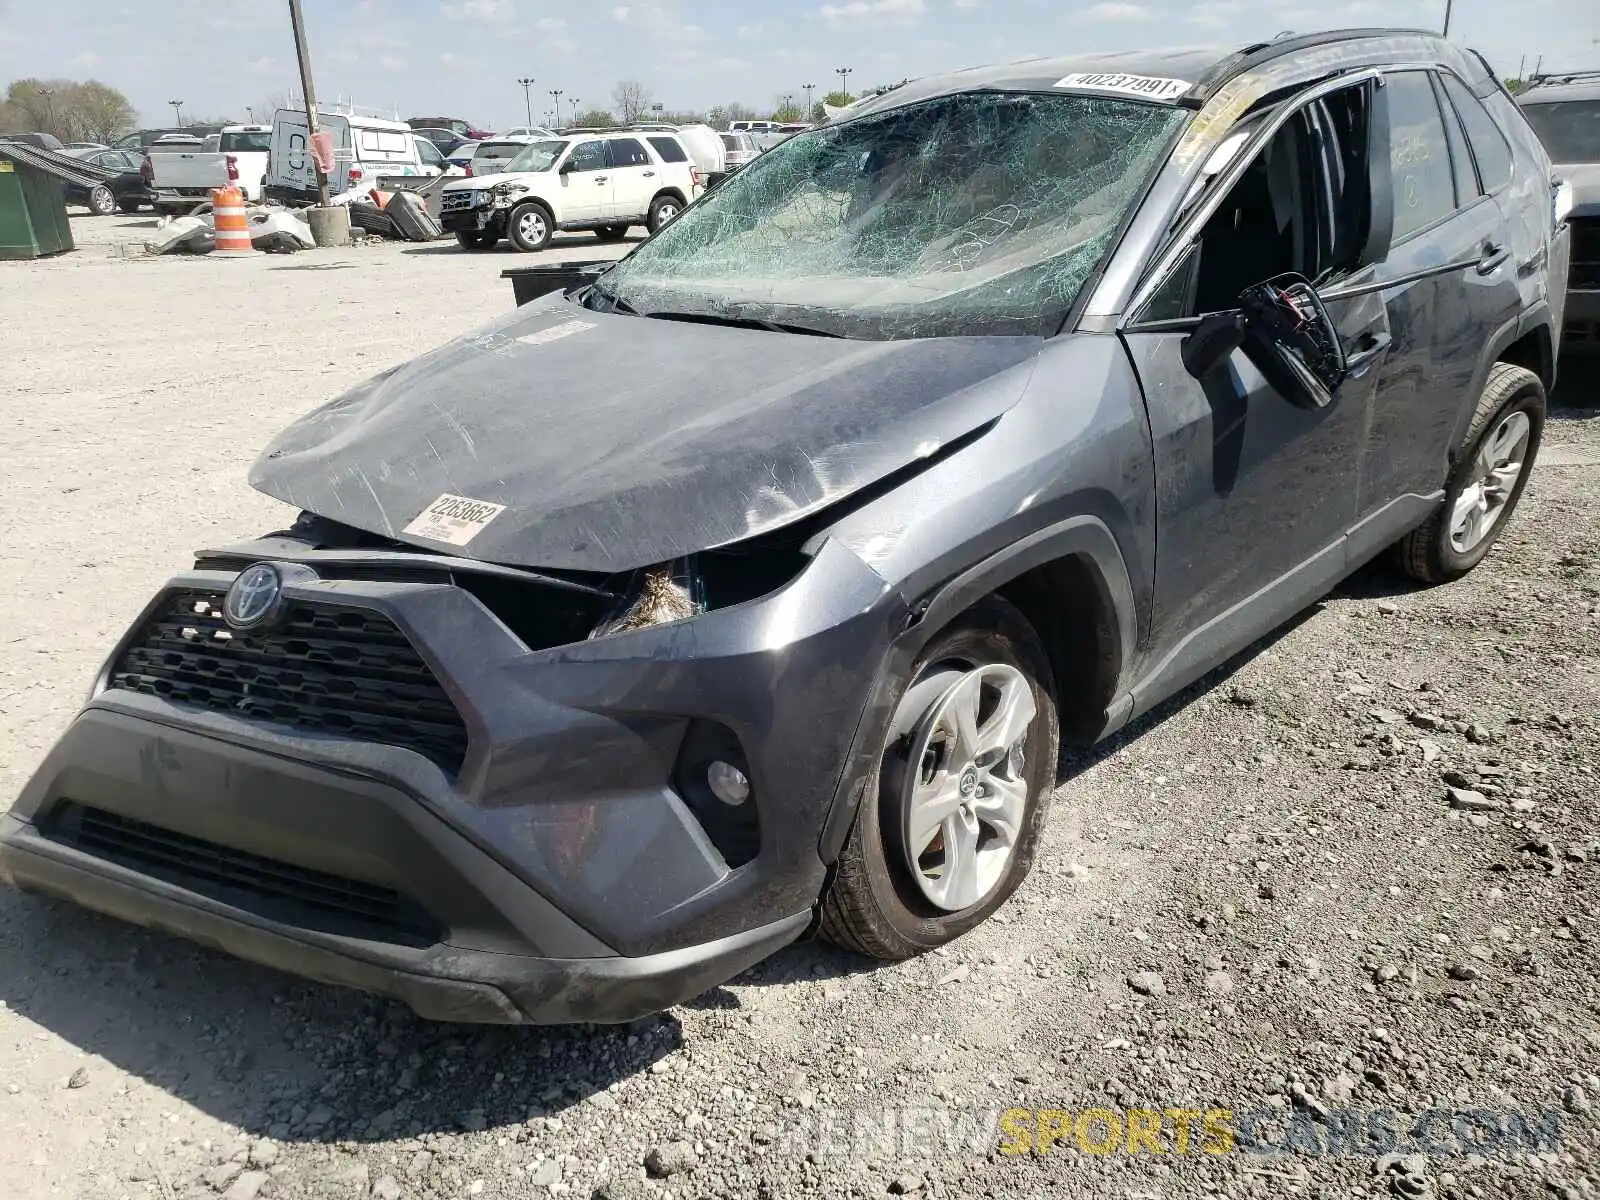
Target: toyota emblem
{"points": [[254, 598]]}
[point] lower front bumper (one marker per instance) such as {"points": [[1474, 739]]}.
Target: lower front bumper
{"points": [[1581, 322], [471, 220], [481, 986]]}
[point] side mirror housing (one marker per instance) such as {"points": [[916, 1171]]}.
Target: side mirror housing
{"points": [[1217, 336], [1284, 329], [566, 168]]}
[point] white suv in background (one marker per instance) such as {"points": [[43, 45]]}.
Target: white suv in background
{"points": [[605, 182]]}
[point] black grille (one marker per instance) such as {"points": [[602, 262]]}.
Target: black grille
{"points": [[347, 672], [1585, 273], [272, 889]]}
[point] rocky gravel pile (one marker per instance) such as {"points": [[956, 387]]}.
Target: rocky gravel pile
{"points": [[1349, 881]]}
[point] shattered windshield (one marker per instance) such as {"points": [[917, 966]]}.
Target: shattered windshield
{"points": [[537, 156], [966, 214], [1569, 129]]}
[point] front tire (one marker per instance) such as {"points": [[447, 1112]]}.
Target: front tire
{"points": [[485, 239], [530, 227], [1486, 481], [662, 210], [102, 202], [950, 820]]}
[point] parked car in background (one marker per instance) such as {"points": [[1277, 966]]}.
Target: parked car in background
{"points": [[433, 163], [492, 154], [39, 141], [738, 149], [142, 139], [456, 125], [752, 127], [247, 151], [87, 146], [180, 174], [527, 131], [1565, 112], [445, 140], [603, 183], [364, 148], [127, 190]]}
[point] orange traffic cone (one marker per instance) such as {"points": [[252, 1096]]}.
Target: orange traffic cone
{"points": [[231, 224]]}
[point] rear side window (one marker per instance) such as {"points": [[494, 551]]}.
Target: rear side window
{"points": [[627, 152], [590, 156], [1489, 146], [669, 149], [1419, 154], [1569, 129]]}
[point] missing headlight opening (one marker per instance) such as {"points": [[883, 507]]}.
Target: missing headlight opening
{"points": [[665, 593]]}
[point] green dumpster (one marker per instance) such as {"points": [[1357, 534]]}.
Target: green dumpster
{"points": [[33, 212]]}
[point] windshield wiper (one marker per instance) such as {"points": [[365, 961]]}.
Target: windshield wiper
{"points": [[742, 323]]}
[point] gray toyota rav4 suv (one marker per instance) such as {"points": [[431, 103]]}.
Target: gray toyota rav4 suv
{"points": [[750, 589]]}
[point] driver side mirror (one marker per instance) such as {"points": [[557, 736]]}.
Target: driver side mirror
{"points": [[567, 168], [1284, 329]]}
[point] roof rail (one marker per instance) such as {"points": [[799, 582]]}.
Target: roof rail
{"points": [[1562, 77]]}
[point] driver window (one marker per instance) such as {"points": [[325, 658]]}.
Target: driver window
{"points": [[1301, 206], [590, 156]]}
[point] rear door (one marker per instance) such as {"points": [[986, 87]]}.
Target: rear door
{"points": [[634, 179], [1453, 287]]}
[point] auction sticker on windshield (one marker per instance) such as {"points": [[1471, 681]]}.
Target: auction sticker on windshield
{"points": [[1146, 87], [454, 520]]}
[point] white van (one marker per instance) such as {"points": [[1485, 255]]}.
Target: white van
{"points": [[363, 149]]}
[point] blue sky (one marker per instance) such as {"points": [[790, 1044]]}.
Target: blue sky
{"points": [[463, 57]]}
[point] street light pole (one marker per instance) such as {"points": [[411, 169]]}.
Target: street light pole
{"points": [[555, 94], [527, 82], [808, 88], [177, 109], [573, 100], [302, 53], [1448, 5], [844, 79]]}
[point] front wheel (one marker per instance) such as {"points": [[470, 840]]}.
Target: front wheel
{"points": [[531, 226], [662, 210], [129, 206], [949, 822], [102, 203], [1486, 481], [483, 239]]}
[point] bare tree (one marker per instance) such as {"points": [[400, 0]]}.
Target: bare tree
{"points": [[101, 113], [632, 100]]}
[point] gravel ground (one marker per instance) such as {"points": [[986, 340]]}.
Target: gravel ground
{"points": [[1264, 898]]}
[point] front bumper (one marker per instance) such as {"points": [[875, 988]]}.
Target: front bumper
{"points": [[555, 876], [472, 220]]}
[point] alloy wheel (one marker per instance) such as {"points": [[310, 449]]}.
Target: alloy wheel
{"points": [[531, 226], [1499, 464], [965, 790]]}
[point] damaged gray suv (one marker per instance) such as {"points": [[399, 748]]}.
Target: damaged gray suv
{"points": [[751, 589]]}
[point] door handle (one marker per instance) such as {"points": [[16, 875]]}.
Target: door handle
{"points": [[1493, 255], [599, 178], [1369, 347], [649, 174]]}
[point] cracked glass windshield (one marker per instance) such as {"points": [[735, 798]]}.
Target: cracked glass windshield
{"points": [[977, 213], [539, 156]]}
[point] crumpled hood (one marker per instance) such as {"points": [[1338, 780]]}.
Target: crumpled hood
{"points": [[615, 442]]}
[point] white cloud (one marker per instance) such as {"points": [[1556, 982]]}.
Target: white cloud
{"points": [[620, 13], [968, 3], [390, 63], [1214, 14], [1116, 10], [265, 65], [492, 11], [87, 61], [873, 12]]}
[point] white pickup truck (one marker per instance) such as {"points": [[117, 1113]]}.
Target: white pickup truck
{"points": [[182, 174]]}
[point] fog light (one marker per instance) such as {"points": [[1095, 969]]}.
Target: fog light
{"points": [[728, 783]]}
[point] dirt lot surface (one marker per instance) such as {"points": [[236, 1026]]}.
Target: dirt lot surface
{"points": [[1260, 899]]}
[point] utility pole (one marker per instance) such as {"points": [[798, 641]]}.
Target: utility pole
{"points": [[527, 82], [1448, 5], [177, 109], [302, 53], [808, 88], [49, 108], [555, 94], [844, 79], [573, 100]]}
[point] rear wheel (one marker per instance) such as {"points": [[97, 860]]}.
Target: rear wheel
{"points": [[102, 203], [662, 210], [531, 226], [611, 233], [948, 824], [1486, 482]]}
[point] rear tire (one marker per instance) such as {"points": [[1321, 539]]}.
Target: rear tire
{"points": [[884, 900], [611, 233], [1508, 423], [662, 210]]}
